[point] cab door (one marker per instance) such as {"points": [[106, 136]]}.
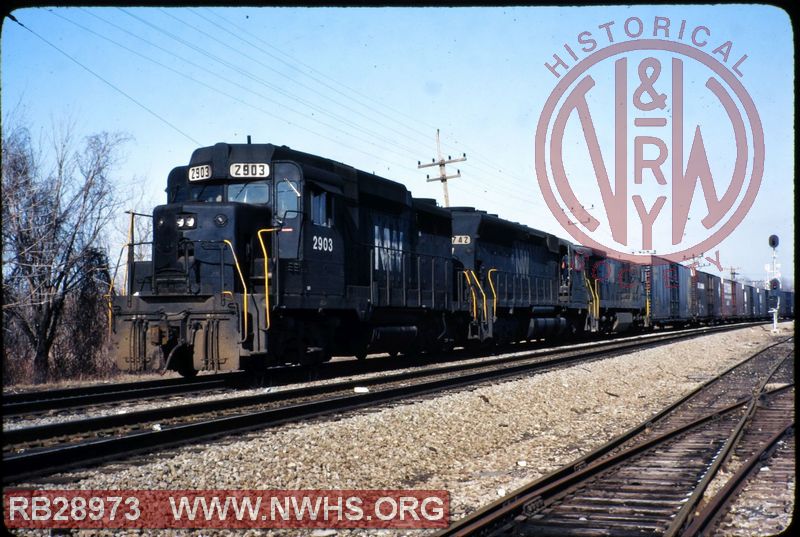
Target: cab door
{"points": [[324, 248]]}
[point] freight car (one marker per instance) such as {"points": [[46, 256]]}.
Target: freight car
{"points": [[266, 255], [706, 295], [669, 292], [783, 301]]}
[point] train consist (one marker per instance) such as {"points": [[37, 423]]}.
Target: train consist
{"points": [[265, 255]]}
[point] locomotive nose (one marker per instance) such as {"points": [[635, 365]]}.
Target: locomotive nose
{"points": [[190, 217]]}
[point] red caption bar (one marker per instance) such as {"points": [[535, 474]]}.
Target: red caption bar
{"points": [[226, 508]]}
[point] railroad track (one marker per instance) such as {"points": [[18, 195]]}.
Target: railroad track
{"points": [[750, 485], [47, 449], [70, 398], [651, 480], [31, 405]]}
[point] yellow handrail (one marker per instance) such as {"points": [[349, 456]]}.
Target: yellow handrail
{"points": [[266, 272], [244, 285], [494, 292], [597, 295], [480, 288], [474, 298]]}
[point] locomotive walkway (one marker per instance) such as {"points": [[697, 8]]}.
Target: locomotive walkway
{"points": [[651, 480], [47, 449]]}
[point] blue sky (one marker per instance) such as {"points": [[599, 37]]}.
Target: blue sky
{"points": [[370, 86]]}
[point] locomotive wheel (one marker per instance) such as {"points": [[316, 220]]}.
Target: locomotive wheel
{"points": [[185, 365], [187, 371], [314, 355], [361, 343]]}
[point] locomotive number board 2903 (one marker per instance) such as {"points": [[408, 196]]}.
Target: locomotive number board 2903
{"points": [[198, 173], [249, 170]]}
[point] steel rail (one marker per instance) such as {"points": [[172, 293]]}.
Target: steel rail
{"points": [[73, 427], [65, 398], [47, 460], [31, 402], [715, 508], [548, 489], [693, 501], [709, 513], [491, 516]]}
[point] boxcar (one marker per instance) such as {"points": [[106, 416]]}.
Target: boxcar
{"points": [[705, 297], [760, 302], [731, 300], [786, 309], [670, 292]]}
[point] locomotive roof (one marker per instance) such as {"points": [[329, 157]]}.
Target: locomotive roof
{"points": [[428, 205], [553, 242], [325, 172]]}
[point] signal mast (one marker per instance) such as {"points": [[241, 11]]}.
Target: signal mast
{"points": [[774, 282]]}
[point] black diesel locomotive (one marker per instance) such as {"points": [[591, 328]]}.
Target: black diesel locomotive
{"points": [[266, 255]]}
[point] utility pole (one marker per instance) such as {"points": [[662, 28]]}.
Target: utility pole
{"points": [[734, 273], [443, 177], [696, 261]]}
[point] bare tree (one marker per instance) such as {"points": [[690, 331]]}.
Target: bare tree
{"points": [[79, 348], [56, 206]]}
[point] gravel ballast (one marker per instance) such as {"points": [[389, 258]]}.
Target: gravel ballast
{"points": [[478, 444]]}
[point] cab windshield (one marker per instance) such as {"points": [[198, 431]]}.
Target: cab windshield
{"points": [[207, 193], [252, 192]]}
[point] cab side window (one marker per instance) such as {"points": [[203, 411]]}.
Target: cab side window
{"points": [[321, 208], [288, 190]]}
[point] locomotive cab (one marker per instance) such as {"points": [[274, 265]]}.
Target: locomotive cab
{"points": [[248, 265], [203, 300]]}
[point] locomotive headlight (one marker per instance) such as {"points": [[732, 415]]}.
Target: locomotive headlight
{"points": [[186, 221]]}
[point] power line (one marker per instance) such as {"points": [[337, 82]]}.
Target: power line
{"points": [[294, 80], [483, 163], [393, 147], [258, 80], [382, 107], [110, 84], [285, 93], [237, 99]]}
